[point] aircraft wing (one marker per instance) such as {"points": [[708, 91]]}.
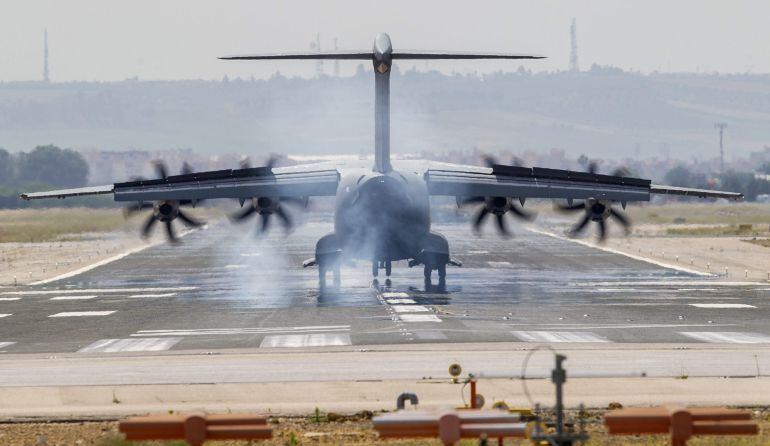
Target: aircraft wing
{"points": [[230, 183], [537, 182]]}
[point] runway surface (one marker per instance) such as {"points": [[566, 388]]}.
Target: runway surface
{"points": [[222, 288]]}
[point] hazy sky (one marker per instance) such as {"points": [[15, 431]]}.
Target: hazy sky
{"points": [[173, 39]]}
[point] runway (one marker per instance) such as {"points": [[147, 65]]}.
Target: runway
{"points": [[223, 288]]}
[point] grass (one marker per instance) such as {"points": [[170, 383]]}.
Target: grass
{"points": [[44, 225], [733, 214], [714, 231]]}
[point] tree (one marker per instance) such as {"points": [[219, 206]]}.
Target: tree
{"points": [[52, 165], [679, 176], [6, 167]]}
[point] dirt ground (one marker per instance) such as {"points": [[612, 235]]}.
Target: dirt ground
{"points": [[353, 429]]}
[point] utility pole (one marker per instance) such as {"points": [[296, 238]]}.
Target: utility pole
{"points": [[721, 126], [46, 79]]}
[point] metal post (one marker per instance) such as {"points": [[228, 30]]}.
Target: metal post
{"points": [[473, 394], [559, 377], [721, 126]]}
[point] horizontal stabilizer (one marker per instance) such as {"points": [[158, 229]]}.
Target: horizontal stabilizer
{"points": [[457, 55], [349, 55]]}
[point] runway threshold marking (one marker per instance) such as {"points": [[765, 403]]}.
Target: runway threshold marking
{"points": [[305, 340], [722, 306], [419, 318], [73, 297], [83, 313], [558, 336], [400, 301], [139, 296], [409, 309], [729, 337], [130, 345], [236, 331]]}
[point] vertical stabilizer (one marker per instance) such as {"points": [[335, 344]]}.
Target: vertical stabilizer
{"points": [[382, 62]]}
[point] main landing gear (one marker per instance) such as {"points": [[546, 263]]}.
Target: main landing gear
{"points": [[377, 265]]}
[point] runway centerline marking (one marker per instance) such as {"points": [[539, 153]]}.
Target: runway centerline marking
{"points": [[419, 318], [7, 299], [730, 337], [502, 264], [305, 340], [722, 306], [394, 295], [130, 345], [6, 314], [83, 313], [409, 308], [6, 344], [558, 336], [73, 297]]}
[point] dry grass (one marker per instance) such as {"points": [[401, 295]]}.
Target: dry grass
{"points": [[41, 225], [702, 214]]}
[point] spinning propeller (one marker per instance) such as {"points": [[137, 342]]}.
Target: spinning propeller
{"points": [[598, 211], [265, 207], [497, 206], [165, 211]]}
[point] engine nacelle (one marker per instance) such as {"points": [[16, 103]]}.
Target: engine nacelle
{"points": [[166, 210], [598, 210], [265, 205], [497, 205]]}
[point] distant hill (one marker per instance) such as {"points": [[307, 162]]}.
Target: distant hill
{"points": [[603, 112]]}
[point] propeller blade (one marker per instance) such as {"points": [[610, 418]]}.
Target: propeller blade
{"points": [[147, 228], [516, 161], [490, 160], [602, 230], [186, 168], [170, 232], [593, 167], [243, 214], [189, 221], [621, 171], [521, 213], [285, 219], [245, 163], [622, 218], [160, 169], [265, 223], [271, 161], [501, 225], [134, 208], [480, 218], [578, 228]]}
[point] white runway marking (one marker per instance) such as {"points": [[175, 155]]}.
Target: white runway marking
{"points": [[6, 344], [235, 266], [558, 336], [430, 335], [6, 314], [400, 301], [236, 331], [82, 313], [6, 299], [621, 326], [730, 337], [251, 254], [409, 308], [98, 290], [305, 340], [499, 264], [138, 296], [614, 251], [722, 306], [392, 295], [73, 297], [130, 345], [478, 252], [419, 318]]}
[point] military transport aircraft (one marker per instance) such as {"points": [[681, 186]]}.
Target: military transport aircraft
{"points": [[382, 212]]}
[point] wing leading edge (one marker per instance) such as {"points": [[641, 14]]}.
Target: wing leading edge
{"points": [[537, 182], [230, 183]]}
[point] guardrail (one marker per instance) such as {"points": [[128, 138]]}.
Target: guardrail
{"points": [[196, 428], [450, 427], [679, 422]]}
